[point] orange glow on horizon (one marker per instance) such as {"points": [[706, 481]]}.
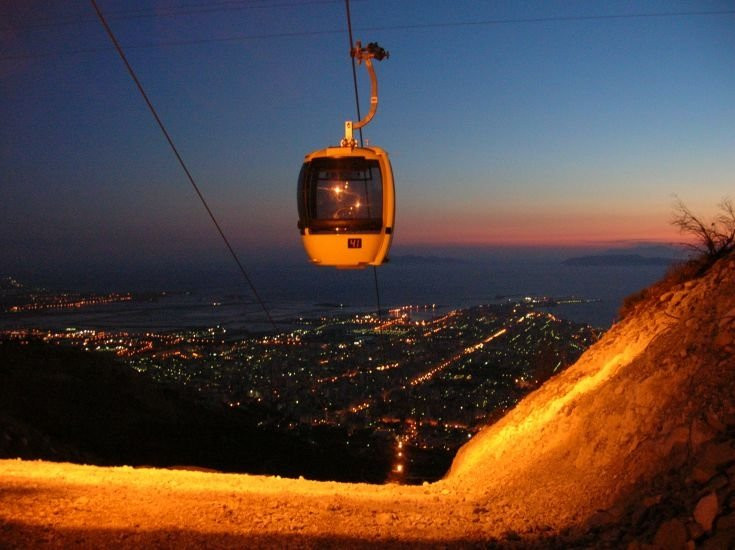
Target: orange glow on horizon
{"points": [[516, 224], [538, 236]]}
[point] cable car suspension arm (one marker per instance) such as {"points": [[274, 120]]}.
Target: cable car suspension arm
{"points": [[372, 50]]}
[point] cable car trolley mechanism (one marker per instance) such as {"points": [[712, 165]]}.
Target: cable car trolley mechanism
{"points": [[346, 198]]}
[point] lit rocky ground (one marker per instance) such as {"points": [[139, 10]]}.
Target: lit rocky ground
{"points": [[630, 447]]}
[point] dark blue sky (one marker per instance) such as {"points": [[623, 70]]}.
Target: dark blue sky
{"points": [[507, 122]]}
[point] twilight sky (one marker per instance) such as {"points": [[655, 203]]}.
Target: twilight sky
{"points": [[534, 123]]}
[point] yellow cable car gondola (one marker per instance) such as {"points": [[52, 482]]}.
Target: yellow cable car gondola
{"points": [[346, 197]]}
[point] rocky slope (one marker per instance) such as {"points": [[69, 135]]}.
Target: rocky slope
{"points": [[637, 437], [633, 446]]}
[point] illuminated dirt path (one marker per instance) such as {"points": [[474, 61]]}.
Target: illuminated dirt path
{"points": [[55, 503], [657, 390]]}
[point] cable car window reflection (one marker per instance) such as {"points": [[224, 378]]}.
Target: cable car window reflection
{"points": [[345, 195]]}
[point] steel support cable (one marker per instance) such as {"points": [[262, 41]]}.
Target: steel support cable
{"points": [[203, 9], [359, 117], [354, 67], [417, 26], [182, 163], [118, 16]]}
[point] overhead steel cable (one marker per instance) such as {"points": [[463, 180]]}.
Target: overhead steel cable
{"points": [[182, 163], [123, 15], [416, 26], [167, 12], [359, 117], [188, 42], [354, 67]]}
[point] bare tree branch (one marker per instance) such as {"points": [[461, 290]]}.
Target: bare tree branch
{"points": [[714, 239]]}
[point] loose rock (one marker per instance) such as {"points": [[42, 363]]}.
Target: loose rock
{"points": [[706, 511]]}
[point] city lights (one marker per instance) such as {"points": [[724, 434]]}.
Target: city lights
{"points": [[430, 377]]}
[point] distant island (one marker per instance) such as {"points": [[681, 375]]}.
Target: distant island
{"points": [[419, 259], [619, 260]]}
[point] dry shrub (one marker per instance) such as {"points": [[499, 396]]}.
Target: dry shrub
{"points": [[714, 238], [711, 241]]}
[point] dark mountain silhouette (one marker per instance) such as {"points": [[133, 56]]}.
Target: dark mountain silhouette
{"points": [[618, 260], [420, 259], [661, 250], [67, 405]]}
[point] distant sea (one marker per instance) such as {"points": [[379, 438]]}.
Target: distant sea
{"points": [[211, 296]]}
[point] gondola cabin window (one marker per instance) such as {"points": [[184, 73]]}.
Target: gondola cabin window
{"points": [[343, 195]]}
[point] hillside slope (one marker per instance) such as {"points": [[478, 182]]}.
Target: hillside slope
{"points": [[651, 406], [633, 445], [655, 389]]}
